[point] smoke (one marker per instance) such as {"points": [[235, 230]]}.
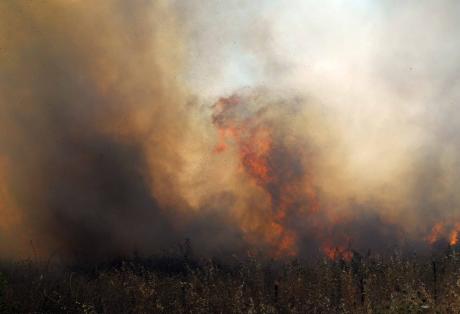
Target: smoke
{"points": [[297, 127], [93, 122], [379, 81]]}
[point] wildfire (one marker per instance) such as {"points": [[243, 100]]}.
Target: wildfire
{"points": [[449, 232], [275, 168], [255, 144], [337, 252], [435, 234], [453, 238]]}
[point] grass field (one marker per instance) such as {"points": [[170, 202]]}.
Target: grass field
{"points": [[179, 283]]}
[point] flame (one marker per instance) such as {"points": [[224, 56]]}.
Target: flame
{"points": [[287, 184], [453, 238], [338, 252], [436, 232], [441, 230], [255, 144], [290, 190]]}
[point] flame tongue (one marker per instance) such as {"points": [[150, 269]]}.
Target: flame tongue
{"points": [[444, 231], [282, 169], [261, 154]]}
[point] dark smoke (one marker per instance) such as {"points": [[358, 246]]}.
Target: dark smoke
{"points": [[108, 133], [76, 78]]}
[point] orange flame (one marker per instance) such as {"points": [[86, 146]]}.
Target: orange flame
{"points": [[291, 190], [337, 252], [254, 143], [440, 230], [453, 239], [436, 232]]}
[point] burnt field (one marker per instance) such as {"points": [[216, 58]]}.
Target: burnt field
{"points": [[178, 282]]}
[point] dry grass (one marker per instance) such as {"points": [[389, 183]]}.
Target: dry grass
{"points": [[180, 284]]}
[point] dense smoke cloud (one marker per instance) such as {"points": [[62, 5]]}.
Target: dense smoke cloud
{"points": [[297, 127], [92, 125], [383, 74]]}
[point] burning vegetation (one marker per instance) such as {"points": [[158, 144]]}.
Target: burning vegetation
{"points": [[313, 168], [107, 145]]}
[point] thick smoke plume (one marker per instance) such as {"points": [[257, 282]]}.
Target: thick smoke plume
{"points": [[300, 128], [93, 125]]}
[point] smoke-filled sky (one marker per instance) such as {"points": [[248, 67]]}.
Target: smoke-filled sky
{"points": [[291, 127]]}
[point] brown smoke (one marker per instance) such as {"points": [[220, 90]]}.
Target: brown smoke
{"points": [[92, 121], [112, 140]]}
